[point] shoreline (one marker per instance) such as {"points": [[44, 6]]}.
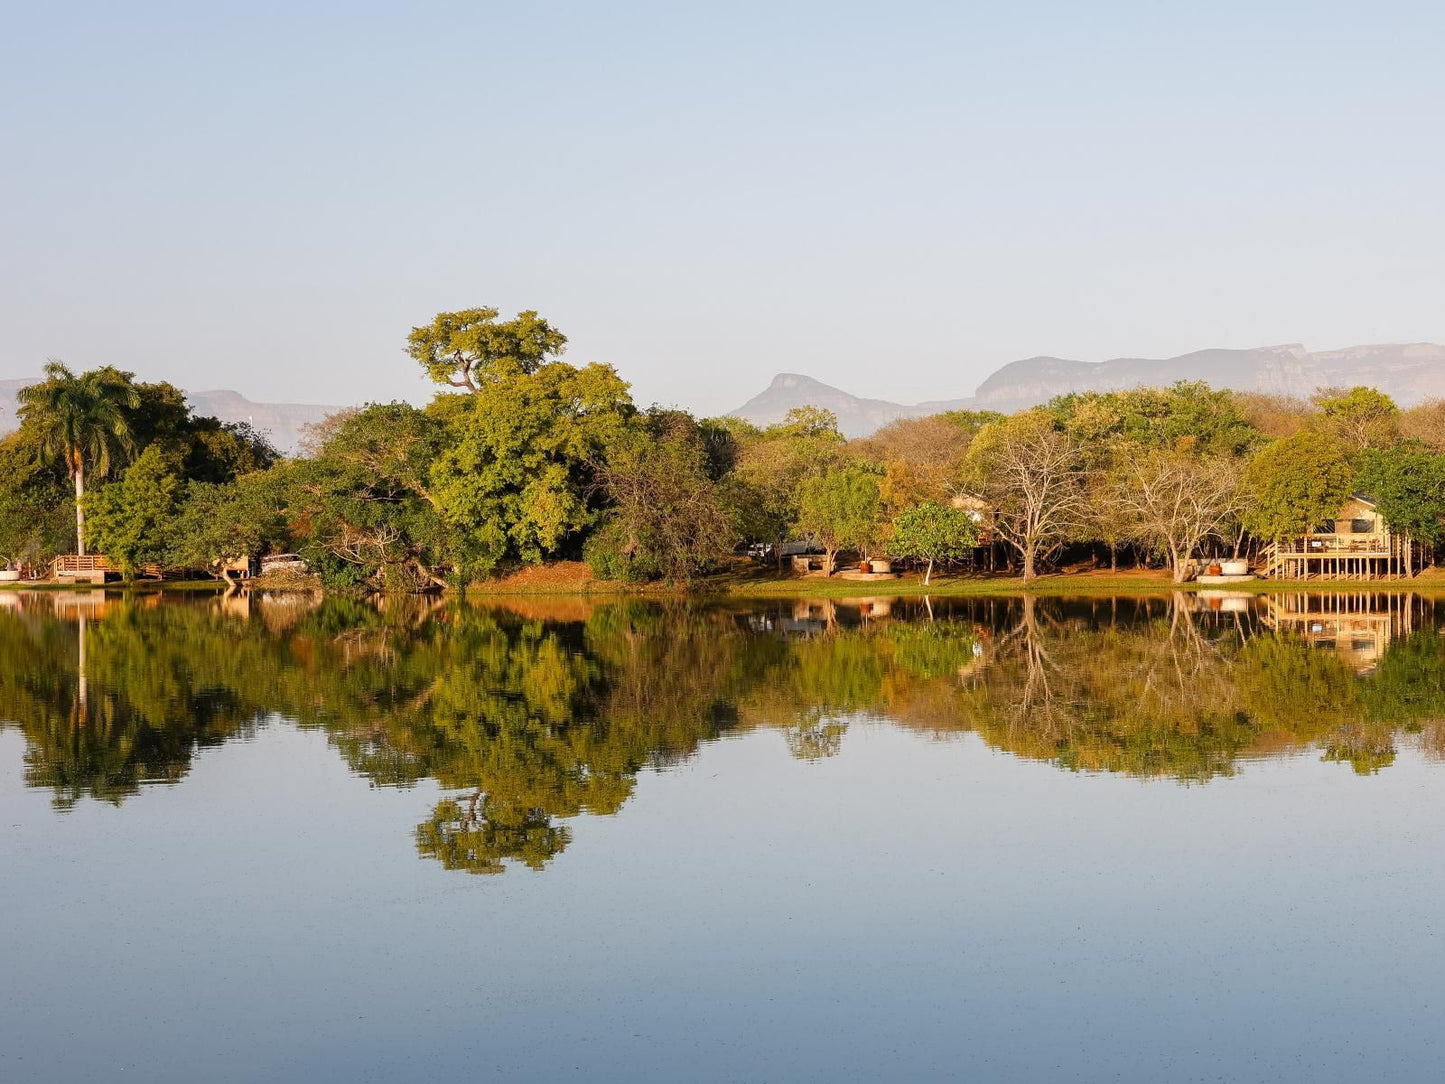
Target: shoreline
{"points": [[723, 587]]}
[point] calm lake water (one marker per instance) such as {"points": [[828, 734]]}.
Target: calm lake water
{"points": [[1156, 839]]}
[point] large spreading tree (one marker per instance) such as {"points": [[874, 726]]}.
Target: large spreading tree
{"points": [[1031, 472]]}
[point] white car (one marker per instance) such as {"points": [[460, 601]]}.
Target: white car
{"points": [[284, 562]]}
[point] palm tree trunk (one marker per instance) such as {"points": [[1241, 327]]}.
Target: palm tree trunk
{"points": [[80, 507]]}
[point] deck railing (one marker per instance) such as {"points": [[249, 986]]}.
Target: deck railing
{"points": [[74, 564], [1318, 545], [91, 564]]}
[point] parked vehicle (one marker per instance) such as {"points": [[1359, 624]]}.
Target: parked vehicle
{"points": [[284, 562]]}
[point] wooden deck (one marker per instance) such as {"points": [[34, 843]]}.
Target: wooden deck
{"points": [[95, 568], [1339, 557]]}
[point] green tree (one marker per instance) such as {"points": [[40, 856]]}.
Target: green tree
{"points": [[472, 349], [1360, 417], [773, 465], [36, 519], [840, 510], [245, 518], [516, 478], [931, 532], [371, 512], [1408, 482], [1189, 416], [133, 520], [668, 518], [1295, 484], [86, 421]]}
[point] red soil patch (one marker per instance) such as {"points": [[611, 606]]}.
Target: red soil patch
{"points": [[557, 576]]}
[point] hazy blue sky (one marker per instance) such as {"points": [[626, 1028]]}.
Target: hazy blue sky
{"points": [[896, 198]]}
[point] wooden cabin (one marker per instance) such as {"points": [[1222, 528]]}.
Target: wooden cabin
{"points": [[981, 512], [1356, 545], [984, 514]]}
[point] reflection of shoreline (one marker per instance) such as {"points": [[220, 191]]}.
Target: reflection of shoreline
{"points": [[543, 709]]}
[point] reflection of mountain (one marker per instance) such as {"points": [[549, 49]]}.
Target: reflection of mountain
{"points": [[529, 719]]}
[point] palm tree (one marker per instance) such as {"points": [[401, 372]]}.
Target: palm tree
{"points": [[85, 420]]}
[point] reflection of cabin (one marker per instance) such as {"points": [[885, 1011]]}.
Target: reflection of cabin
{"points": [[1357, 626], [1356, 545]]}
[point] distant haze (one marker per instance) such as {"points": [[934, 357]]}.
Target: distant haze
{"points": [[1409, 373], [284, 423]]}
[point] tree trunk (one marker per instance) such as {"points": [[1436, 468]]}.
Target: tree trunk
{"points": [[1028, 564], [828, 561], [928, 575], [80, 507]]}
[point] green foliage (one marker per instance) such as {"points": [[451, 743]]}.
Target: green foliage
{"points": [[932, 531], [365, 506], [85, 421], [608, 556], [1295, 484], [472, 349], [245, 518], [970, 422], [1407, 481], [772, 466], [1360, 417], [840, 508], [668, 517], [1190, 416], [200, 448], [515, 481], [37, 516], [132, 520]]}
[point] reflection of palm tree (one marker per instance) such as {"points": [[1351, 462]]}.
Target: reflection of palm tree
{"points": [[82, 690], [84, 420]]}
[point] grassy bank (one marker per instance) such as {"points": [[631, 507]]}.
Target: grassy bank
{"points": [[569, 581], [755, 582]]}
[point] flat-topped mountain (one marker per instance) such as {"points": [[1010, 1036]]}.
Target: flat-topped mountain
{"points": [[1409, 373], [284, 422]]}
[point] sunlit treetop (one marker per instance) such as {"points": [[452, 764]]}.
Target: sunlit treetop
{"points": [[472, 348]]}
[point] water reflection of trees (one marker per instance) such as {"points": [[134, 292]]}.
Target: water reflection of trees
{"points": [[528, 718]]}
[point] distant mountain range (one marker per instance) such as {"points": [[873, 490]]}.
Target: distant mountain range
{"points": [[283, 422], [1409, 373]]}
